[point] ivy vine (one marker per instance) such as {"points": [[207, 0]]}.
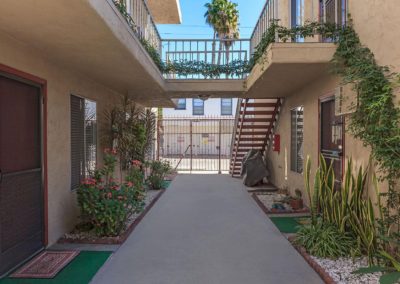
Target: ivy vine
{"points": [[233, 69], [375, 119]]}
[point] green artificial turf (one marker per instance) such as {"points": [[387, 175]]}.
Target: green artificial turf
{"points": [[79, 271], [286, 224], [166, 184]]}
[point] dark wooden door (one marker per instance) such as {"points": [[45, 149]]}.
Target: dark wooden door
{"points": [[332, 136], [21, 186]]}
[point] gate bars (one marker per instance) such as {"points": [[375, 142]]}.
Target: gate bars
{"points": [[195, 144]]}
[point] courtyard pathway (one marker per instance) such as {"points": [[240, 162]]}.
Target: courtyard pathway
{"points": [[206, 229]]}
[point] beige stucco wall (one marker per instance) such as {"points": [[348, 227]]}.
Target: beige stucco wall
{"points": [[280, 162], [62, 209], [377, 24]]}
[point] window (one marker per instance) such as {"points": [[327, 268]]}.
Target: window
{"points": [[83, 139], [296, 142], [181, 104], [198, 107], [226, 106], [297, 15]]}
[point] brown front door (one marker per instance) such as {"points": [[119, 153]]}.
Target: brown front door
{"points": [[21, 186], [332, 135]]}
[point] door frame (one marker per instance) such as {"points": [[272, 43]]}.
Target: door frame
{"points": [[324, 98], [35, 81]]}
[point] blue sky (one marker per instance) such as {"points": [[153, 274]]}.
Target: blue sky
{"points": [[193, 22]]}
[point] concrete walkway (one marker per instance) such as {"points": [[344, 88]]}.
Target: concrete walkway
{"points": [[206, 229]]}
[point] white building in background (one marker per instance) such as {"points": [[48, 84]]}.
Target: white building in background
{"points": [[207, 125], [198, 108]]}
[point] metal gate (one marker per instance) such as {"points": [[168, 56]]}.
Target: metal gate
{"points": [[195, 145]]}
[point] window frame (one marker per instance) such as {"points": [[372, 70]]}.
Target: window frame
{"points": [[298, 151], [83, 168], [181, 108], [231, 106], [193, 107]]}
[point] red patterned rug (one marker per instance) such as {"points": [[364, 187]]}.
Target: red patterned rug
{"points": [[45, 265]]}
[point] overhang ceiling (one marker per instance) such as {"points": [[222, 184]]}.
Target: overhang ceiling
{"points": [[90, 38], [165, 11]]}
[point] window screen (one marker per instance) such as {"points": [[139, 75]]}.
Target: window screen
{"points": [[198, 107], [226, 106], [83, 139], [181, 104], [296, 144]]}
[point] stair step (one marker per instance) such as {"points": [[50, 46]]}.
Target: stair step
{"points": [[252, 139], [258, 112], [250, 145], [248, 149], [256, 120], [264, 126], [259, 104], [248, 133]]}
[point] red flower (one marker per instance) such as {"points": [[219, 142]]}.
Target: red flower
{"points": [[112, 151], [89, 181], [115, 187], [136, 163], [109, 195], [129, 184]]}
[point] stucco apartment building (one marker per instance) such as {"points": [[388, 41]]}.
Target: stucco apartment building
{"points": [[63, 63], [315, 112]]}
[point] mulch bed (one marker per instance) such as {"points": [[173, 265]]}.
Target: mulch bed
{"points": [[113, 240], [270, 212]]}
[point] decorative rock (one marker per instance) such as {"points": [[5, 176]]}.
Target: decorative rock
{"points": [[341, 270]]}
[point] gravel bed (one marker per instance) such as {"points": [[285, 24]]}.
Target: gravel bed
{"points": [[268, 199], [90, 235], [341, 270]]}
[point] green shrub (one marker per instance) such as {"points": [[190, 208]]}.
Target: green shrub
{"points": [[327, 241], [349, 207], [106, 204], [158, 172]]}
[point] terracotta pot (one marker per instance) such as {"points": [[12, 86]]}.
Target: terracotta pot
{"points": [[296, 204]]}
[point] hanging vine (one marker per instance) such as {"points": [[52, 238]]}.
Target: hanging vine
{"points": [[375, 119]]}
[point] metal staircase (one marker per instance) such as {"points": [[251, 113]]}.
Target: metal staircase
{"points": [[255, 123]]}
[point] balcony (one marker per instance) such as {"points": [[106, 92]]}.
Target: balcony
{"points": [[117, 43], [192, 67]]}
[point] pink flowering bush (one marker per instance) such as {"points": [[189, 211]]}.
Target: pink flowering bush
{"points": [[105, 204]]}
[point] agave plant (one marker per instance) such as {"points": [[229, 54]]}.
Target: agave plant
{"points": [[347, 207]]}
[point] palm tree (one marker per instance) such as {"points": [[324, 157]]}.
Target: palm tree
{"points": [[223, 17]]}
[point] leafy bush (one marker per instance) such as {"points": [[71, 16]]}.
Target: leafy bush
{"points": [[131, 131], [324, 240], [347, 207], [105, 204], [158, 171]]}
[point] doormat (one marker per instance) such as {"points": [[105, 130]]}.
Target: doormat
{"points": [[45, 265]]}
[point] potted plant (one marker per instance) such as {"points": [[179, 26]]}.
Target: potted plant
{"points": [[296, 202]]}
